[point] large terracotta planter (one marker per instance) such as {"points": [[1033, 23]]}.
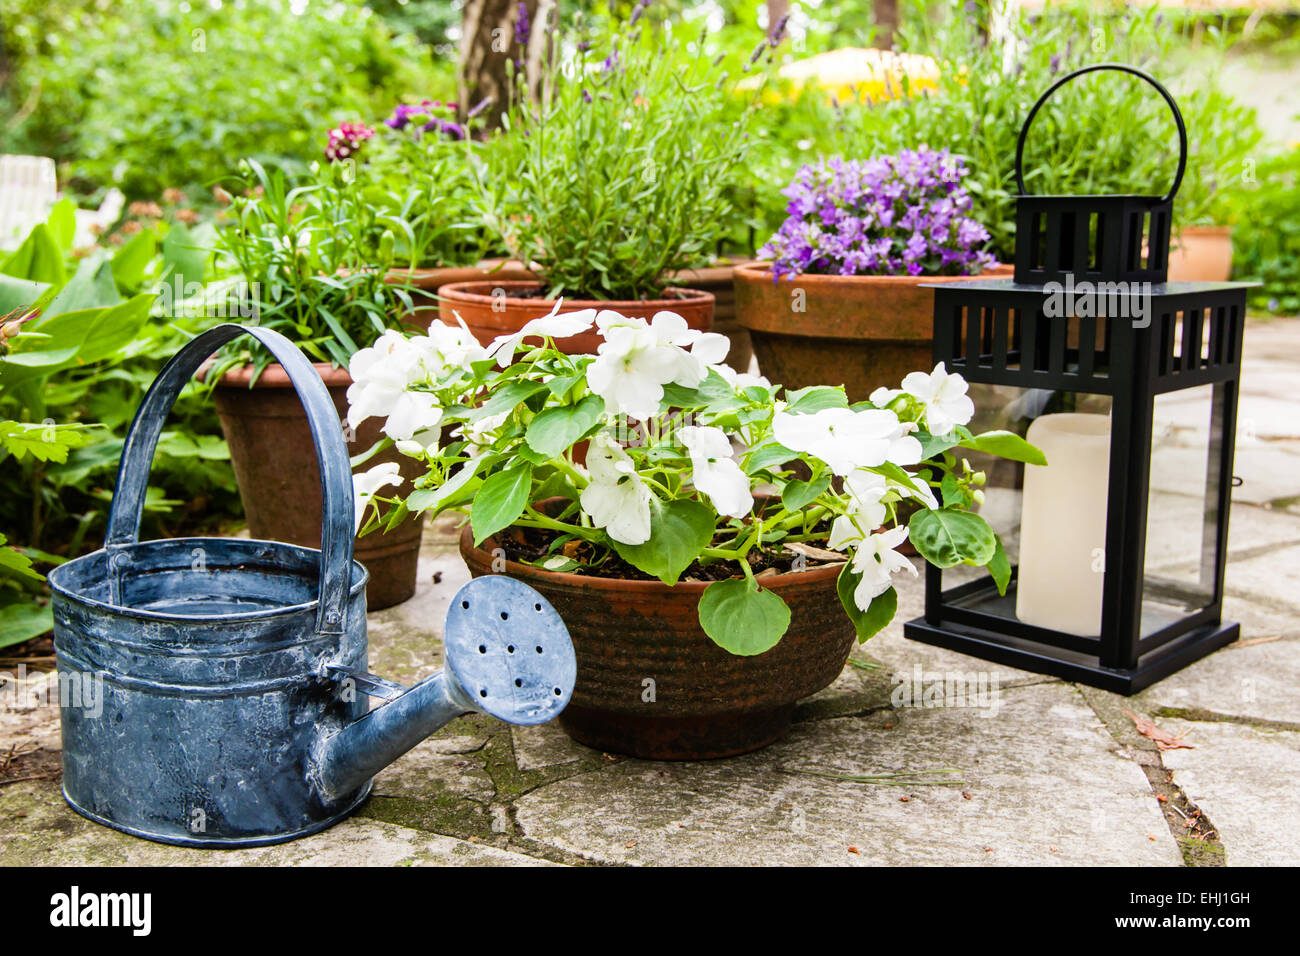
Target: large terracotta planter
{"points": [[719, 280], [857, 331], [495, 308], [425, 283], [275, 466], [1201, 254], [705, 702]]}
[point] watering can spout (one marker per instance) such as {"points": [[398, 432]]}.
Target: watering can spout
{"points": [[507, 654]]}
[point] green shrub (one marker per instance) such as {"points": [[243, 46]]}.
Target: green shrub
{"points": [[156, 94], [1266, 235]]}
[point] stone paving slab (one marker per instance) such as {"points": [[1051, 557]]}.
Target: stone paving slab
{"points": [[1244, 779], [1043, 784], [49, 834], [1055, 776]]}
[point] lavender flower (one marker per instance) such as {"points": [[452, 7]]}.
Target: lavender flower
{"points": [[426, 114], [892, 215], [522, 27], [637, 11], [345, 139]]}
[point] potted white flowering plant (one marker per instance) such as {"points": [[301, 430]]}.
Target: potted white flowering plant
{"points": [[713, 542]]}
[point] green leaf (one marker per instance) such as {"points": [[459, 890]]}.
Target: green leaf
{"points": [[19, 293], [186, 253], [1006, 445], [556, 429], [455, 491], [741, 618], [42, 442], [867, 623], [815, 398], [798, 494], [679, 531], [91, 287], [932, 445], [62, 223], [15, 564], [500, 501], [39, 258], [22, 622], [768, 455], [947, 537], [507, 399], [1000, 567], [130, 262]]}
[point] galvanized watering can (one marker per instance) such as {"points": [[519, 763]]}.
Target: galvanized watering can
{"points": [[214, 691]]}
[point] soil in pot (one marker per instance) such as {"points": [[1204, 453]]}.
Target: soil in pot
{"points": [[650, 681], [494, 308], [718, 279], [861, 332], [274, 460]]}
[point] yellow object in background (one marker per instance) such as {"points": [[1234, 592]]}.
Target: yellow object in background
{"points": [[854, 74]]}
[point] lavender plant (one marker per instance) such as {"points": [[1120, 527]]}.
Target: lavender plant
{"points": [[618, 171], [904, 214]]}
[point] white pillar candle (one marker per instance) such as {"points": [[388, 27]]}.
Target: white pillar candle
{"points": [[1063, 524]]}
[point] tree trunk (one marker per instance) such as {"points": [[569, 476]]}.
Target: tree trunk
{"points": [[777, 10], [887, 21], [489, 40]]}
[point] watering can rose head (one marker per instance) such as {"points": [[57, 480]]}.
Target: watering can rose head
{"points": [[653, 458]]}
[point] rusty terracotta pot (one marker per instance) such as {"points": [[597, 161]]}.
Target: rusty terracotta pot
{"points": [[719, 280], [1201, 254], [707, 703], [857, 331], [488, 315], [275, 467], [425, 283]]}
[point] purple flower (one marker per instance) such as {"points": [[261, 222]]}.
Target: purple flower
{"points": [[522, 27], [905, 213], [426, 115], [636, 12], [345, 139]]}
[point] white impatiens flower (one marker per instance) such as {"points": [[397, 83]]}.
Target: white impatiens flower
{"points": [[413, 416], [715, 472], [865, 489], [739, 380], [552, 325], [883, 396], [445, 348], [617, 499], [367, 483], [478, 435], [638, 358], [846, 439], [877, 562], [944, 396], [380, 373]]}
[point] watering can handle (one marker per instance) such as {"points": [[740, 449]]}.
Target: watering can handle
{"points": [[331, 456], [1119, 68]]}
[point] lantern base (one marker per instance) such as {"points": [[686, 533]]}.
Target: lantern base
{"points": [[1071, 665]]}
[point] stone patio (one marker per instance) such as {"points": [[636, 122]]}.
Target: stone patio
{"points": [[1054, 773]]}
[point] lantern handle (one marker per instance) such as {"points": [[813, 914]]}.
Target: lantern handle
{"points": [[1121, 68]]}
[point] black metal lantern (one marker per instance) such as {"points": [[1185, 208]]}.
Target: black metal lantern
{"points": [[1129, 383]]}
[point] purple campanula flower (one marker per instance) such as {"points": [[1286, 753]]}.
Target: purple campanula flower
{"points": [[893, 214]]}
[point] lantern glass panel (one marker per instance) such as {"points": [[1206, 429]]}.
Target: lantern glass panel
{"points": [[1061, 582], [1182, 512]]}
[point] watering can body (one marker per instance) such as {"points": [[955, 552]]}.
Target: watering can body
{"points": [[215, 692]]}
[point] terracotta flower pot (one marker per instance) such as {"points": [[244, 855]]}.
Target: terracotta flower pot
{"points": [[703, 702], [719, 280], [275, 467], [857, 331], [490, 309], [425, 284], [1201, 254]]}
